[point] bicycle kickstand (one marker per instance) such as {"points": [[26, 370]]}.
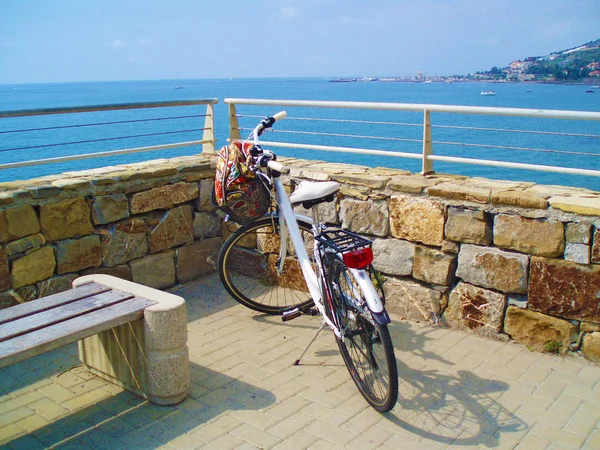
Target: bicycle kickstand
{"points": [[310, 343]]}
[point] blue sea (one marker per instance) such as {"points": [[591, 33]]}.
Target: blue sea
{"points": [[17, 146]]}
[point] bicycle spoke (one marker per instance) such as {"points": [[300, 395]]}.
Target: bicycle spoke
{"points": [[248, 267]]}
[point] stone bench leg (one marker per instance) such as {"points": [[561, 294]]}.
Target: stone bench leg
{"points": [[148, 356]]}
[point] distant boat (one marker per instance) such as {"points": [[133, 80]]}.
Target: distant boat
{"points": [[487, 93], [590, 91], [177, 85]]}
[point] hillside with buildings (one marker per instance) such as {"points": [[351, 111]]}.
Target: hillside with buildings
{"points": [[577, 64]]}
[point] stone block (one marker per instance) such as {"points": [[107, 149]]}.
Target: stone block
{"points": [[412, 300], [459, 191], [591, 347], [22, 221], [202, 203], [34, 267], [586, 206], [328, 212], [578, 233], [123, 271], [475, 309], [197, 259], [124, 241], [4, 271], [433, 266], [596, 246], [393, 256], [109, 208], [493, 268], [417, 219], [450, 247], [367, 179], [65, 219], [539, 331], [410, 184], [206, 224], [4, 236], [55, 285], [579, 253], [163, 197], [176, 227], [519, 198], [8, 299], [469, 226], [358, 192], [156, 271], [74, 255], [26, 243], [589, 327], [366, 217], [536, 237], [564, 289], [27, 293]]}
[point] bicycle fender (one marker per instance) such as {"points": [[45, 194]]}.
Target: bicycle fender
{"points": [[371, 296]]}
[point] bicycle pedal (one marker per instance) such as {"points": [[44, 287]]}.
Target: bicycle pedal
{"points": [[310, 311], [291, 314]]}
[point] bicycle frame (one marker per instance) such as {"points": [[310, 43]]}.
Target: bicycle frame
{"points": [[288, 222]]}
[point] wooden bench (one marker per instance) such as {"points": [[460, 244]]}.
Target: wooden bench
{"points": [[132, 335]]}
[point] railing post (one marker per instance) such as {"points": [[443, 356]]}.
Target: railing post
{"points": [[427, 167], [209, 130], [234, 126]]}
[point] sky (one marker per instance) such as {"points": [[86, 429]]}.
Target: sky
{"points": [[47, 41]]}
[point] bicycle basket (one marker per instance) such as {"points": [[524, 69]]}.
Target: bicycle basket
{"points": [[239, 192]]}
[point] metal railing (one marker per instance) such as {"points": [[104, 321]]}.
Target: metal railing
{"points": [[310, 115], [123, 123]]}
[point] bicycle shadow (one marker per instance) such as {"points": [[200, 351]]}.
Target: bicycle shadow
{"points": [[450, 407]]}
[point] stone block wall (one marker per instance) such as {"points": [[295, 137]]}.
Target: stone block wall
{"points": [[506, 260], [151, 223]]}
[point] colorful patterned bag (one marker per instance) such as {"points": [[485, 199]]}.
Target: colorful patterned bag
{"points": [[238, 191]]}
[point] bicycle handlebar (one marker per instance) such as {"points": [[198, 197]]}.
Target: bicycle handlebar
{"points": [[274, 165], [267, 158]]}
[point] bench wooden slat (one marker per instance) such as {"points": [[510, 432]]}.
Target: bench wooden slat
{"points": [[51, 301], [49, 338], [67, 311]]}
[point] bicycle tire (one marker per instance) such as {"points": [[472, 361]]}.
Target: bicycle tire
{"points": [[247, 267], [367, 347]]}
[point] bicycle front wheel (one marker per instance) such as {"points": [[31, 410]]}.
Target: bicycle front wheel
{"points": [[249, 267], [366, 346]]}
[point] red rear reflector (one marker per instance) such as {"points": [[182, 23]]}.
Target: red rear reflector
{"points": [[359, 259]]}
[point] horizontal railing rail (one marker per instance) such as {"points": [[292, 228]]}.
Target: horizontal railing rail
{"points": [[315, 129], [207, 129]]}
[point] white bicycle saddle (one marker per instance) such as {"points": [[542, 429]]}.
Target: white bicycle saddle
{"points": [[310, 190]]}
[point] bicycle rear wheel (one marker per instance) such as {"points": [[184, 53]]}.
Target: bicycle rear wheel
{"points": [[367, 346], [249, 267]]}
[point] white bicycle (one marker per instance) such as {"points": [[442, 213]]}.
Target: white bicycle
{"points": [[329, 269]]}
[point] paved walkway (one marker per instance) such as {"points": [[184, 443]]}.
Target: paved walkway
{"points": [[456, 390]]}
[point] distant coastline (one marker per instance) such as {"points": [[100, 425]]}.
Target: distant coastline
{"points": [[449, 80]]}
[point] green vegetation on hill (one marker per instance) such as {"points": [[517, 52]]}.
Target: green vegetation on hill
{"points": [[575, 64]]}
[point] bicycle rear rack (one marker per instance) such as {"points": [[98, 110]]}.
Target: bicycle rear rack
{"points": [[342, 241]]}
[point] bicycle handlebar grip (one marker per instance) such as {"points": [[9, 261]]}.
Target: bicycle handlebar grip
{"points": [[274, 165], [280, 115]]}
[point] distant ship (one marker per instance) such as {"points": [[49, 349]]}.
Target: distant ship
{"points": [[177, 85]]}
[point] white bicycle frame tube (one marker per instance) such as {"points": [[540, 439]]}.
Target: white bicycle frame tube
{"points": [[287, 220]]}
